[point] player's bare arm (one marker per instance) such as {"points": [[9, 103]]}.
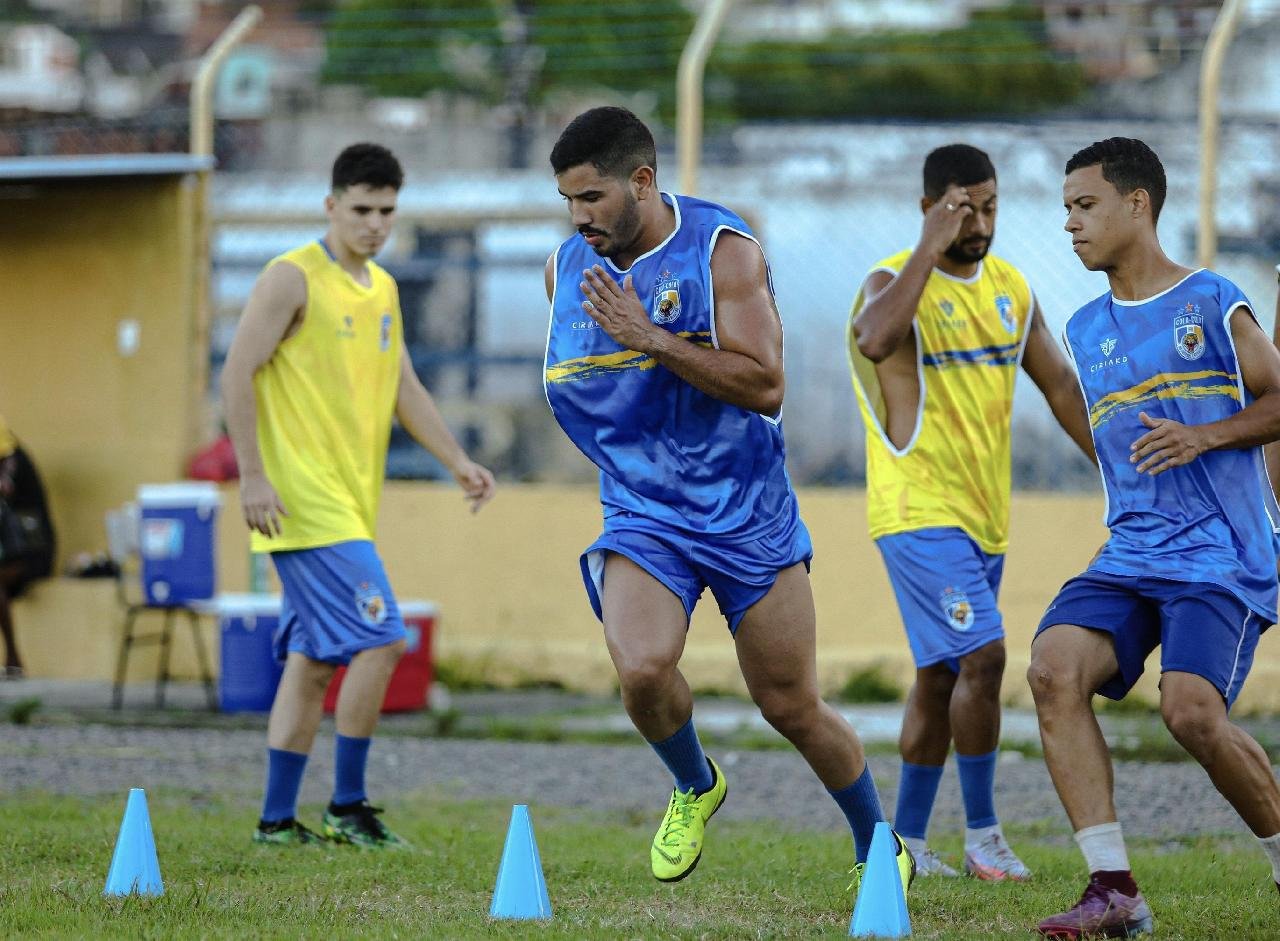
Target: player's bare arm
{"points": [[746, 370], [890, 307], [1273, 450], [1048, 368], [417, 412], [1171, 444], [273, 313]]}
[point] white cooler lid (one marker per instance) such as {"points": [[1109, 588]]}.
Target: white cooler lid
{"points": [[186, 493], [418, 609], [246, 605]]}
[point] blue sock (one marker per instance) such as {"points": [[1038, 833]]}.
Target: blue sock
{"points": [[916, 790], [284, 780], [861, 805], [350, 756], [682, 754], [978, 787]]}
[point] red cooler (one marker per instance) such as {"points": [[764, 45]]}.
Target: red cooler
{"points": [[411, 680]]}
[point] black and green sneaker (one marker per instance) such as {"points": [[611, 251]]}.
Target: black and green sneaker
{"points": [[286, 833], [358, 824]]}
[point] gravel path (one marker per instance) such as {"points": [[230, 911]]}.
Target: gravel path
{"points": [[1157, 800]]}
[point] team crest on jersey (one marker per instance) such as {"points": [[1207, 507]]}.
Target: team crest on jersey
{"points": [[666, 298], [384, 332], [1004, 305], [348, 329], [1188, 332], [948, 308], [955, 605], [370, 604], [1108, 345]]}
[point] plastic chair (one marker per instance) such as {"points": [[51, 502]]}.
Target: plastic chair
{"points": [[123, 547]]}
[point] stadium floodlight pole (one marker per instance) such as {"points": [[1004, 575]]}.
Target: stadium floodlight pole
{"points": [[1215, 50], [201, 145], [693, 61]]}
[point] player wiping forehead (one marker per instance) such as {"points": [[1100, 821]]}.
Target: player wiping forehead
{"points": [[1182, 387], [936, 337]]}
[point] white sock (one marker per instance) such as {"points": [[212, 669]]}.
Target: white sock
{"points": [[916, 845], [973, 838], [1271, 846], [1103, 848]]}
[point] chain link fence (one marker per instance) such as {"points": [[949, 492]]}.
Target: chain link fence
{"points": [[474, 95]]}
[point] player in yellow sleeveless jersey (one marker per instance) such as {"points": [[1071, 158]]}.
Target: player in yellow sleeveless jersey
{"points": [[315, 374], [935, 339]]}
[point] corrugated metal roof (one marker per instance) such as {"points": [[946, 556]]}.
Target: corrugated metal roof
{"points": [[98, 165]]}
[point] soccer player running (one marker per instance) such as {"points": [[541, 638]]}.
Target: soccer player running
{"points": [[1183, 386], [664, 366], [935, 338], [316, 371]]}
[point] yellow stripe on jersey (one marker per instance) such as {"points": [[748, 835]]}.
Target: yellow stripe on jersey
{"points": [[589, 367], [1166, 385], [325, 403], [954, 470]]}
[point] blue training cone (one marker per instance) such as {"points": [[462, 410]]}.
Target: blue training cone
{"points": [[134, 866], [881, 909], [521, 891]]}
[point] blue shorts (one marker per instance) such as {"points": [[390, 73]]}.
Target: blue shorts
{"points": [[337, 602], [946, 588], [739, 573], [1200, 628]]}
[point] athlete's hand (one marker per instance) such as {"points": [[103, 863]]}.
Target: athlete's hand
{"points": [[618, 310], [261, 505], [476, 482], [1168, 444], [943, 220]]}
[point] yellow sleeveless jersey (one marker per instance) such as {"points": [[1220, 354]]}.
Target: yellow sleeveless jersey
{"points": [[955, 468], [326, 399]]}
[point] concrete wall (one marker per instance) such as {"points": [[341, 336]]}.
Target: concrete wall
{"points": [[512, 602], [76, 258]]}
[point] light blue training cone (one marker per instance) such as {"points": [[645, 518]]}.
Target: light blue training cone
{"points": [[881, 909], [521, 891], [134, 866]]}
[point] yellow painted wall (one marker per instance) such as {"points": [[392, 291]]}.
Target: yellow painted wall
{"points": [[77, 257], [512, 600]]}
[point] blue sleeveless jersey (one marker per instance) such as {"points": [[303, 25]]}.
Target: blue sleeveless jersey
{"points": [[1172, 356], [667, 452]]}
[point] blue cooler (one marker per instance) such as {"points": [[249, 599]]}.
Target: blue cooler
{"points": [[249, 674], [176, 541]]}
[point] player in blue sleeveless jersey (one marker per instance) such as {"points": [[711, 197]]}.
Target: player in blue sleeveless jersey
{"points": [[1183, 388], [664, 366]]}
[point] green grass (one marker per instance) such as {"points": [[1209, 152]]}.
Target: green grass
{"points": [[755, 881]]}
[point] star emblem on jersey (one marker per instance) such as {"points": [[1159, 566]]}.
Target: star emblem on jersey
{"points": [[666, 298], [1188, 332], [370, 604], [1004, 306], [1108, 345], [955, 605]]}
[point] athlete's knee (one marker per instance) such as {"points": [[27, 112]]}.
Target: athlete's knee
{"points": [[1054, 680], [985, 666], [1196, 725], [793, 711], [641, 673]]}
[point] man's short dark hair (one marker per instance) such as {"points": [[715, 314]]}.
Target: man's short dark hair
{"points": [[613, 140], [1127, 164], [955, 165], [370, 164]]}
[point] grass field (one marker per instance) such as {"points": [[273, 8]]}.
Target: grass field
{"points": [[755, 880]]}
